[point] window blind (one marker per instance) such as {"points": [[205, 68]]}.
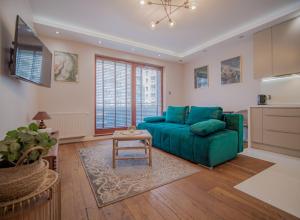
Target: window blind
{"points": [[113, 94]]}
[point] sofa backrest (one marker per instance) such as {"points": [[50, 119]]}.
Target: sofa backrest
{"points": [[198, 114]]}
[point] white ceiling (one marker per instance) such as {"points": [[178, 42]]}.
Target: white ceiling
{"points": [[124, 24]]}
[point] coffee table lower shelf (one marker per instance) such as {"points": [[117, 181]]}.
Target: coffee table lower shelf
{"points": [[143, 135]]}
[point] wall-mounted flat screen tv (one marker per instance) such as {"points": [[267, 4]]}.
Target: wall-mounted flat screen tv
{"points": [[31, 59]]}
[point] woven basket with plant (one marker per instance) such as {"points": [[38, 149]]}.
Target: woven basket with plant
{"points": [[21, 168]]}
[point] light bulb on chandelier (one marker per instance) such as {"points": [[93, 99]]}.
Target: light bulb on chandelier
{"points": [[169, 7], [153, 24], [192, 4], [171, 23]]}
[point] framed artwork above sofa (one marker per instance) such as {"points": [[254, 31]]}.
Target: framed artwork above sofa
{"points": [[201, 77], [231, 70]]}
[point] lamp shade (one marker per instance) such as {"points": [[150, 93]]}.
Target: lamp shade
{"points": [[41, 116]]}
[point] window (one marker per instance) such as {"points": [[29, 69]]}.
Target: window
{"points": [[148, 92], [126, 92]]}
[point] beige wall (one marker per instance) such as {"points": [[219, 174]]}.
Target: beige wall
{"points": [[18, 99], [235, 96], [231, 97], [79, 97]]}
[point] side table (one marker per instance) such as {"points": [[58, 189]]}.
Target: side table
{"points": [[43, 204]]}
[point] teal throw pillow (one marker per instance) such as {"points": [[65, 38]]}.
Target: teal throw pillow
{"points": [[207, 127]]}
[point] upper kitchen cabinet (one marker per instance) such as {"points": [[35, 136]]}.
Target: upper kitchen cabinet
{"points": [[262, 54], [286, 47], [277, 50]]}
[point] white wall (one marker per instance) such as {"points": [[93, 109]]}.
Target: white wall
{"points": [[235, 96], [231, 97], [79, 97], [17, 98]]}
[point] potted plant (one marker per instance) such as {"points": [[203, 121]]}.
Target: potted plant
{"points": [[21, 168]]}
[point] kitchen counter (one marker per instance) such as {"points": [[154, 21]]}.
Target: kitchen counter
{"points": [[277, 106]]}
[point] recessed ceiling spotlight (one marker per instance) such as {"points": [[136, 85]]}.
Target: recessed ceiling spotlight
{"points": [[57, 32], [142, 2], [159, 55], [99, 42]]}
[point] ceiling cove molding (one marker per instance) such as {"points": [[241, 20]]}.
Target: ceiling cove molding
{"points": [[238, 31], [103, 36]]}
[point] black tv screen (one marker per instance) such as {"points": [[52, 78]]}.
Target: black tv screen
{"points": [[31, 60]]}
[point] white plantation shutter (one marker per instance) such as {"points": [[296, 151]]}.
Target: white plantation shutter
{"points": [[148, 92], [113, 94]]}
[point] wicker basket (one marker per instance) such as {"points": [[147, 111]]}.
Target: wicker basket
{"points": [[21, 180]]}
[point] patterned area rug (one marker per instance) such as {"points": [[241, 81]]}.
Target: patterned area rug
{"points": [[131, 177]]}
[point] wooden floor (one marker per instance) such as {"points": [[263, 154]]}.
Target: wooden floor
{"points": [[208, 194]]}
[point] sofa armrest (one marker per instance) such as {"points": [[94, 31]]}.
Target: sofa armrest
{"points": [[235, 122]]}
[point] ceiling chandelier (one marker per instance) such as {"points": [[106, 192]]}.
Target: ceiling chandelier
{"points": [[169, 8]]}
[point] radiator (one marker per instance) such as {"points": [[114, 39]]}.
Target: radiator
{"points": [[69, 124]]}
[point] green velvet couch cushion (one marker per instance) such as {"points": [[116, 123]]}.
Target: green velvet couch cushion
{"points": [[198, 114], [207, 127], [177, 114], [155, 119]]}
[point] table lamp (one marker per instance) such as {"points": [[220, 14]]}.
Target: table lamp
{"points": [[41, 116]]}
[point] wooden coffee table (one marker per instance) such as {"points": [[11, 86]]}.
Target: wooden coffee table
{"points": [[126, 135]]}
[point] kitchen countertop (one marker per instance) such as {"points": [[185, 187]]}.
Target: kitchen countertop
{"points": [[277, 106]]}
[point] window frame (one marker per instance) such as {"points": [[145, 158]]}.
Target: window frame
{"points": [[134, 65]]}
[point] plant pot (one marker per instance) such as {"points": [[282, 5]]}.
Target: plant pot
{"points": [[19, 181]]}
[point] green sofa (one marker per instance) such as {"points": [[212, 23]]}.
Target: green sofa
{"points": [[177, 138]]}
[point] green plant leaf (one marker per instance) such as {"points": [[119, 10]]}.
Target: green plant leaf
{"points": [[14, 147], [22, 129], [34, 155], [25, 137], [12, 134], [3, 147], [33, 127], [13, 156], [52, 141]]}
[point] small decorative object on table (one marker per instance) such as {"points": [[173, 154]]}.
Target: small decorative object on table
{"points": [[21, 168], [41, 116], [128, 135]]}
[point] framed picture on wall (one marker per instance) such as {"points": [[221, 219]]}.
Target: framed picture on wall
{"points": [[231, 70], [65, 66], [201, 77]]}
